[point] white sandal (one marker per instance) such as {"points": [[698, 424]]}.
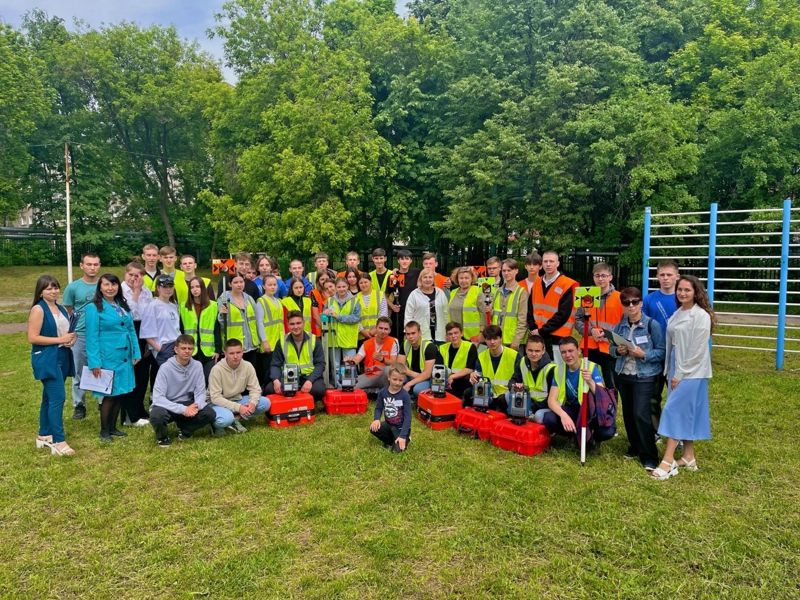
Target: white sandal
{"points": [[64, 450], [661, 474], [689, 465], [43, 441]]}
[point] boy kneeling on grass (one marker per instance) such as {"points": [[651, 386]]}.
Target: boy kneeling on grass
{"points": [[395, 404]]}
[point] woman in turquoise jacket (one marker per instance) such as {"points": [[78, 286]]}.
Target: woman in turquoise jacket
{"points": [[111, 344]]}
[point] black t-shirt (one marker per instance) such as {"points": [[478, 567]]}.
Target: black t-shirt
{"points": [[431, 353], [409, 285], [432, 310], [472, 355], [380, 277]]}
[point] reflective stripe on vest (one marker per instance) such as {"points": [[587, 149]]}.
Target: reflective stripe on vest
{"points": [[369, 314], [407, 351], [291, 305], [536, 386], [273, 319], [304, 360], [561, 378], [374, 276], [607, 316], [545, 306], [208, 319], [471, 314], [237, 322], [345, 335], [506, 316], [505, 370], [459, 360]]}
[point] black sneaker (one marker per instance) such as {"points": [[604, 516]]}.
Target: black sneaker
{"points": [[106, 438], [164, 442], [182, 436], [630, 454], [79, 412], [118, 433]]}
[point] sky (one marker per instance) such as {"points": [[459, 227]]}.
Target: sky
{"points": [[190, 17]]}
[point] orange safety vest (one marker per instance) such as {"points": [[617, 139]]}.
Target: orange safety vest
{"points": [[606, 317], [371, 366], [545, 306]]}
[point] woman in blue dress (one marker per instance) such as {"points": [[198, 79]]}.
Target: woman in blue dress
{"points": [[688, 369], [111, 344]]}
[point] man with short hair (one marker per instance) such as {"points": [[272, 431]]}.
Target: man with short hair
{"points": [[77, 295], [459, 356], [403, 281], [510, 307], [419, 356], [534, 374], [533, 265], [188, 265], [168, 255], [179, 395], [351, 261], [380, 276], [299, 348], [497, 364], [564, 399], [377, 353], [320, 264], [552, 305], [244, 262], [227, 383], [430, 261], [296, 269], [151, 270]]}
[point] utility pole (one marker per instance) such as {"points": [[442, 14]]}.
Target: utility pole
{"points": [[69, 223]]}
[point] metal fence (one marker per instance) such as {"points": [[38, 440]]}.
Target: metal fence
{"points": [[749, 260]]}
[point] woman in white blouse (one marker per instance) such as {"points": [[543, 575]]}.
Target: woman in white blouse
{"points": [[688, 369], [427, 305], [138, 298]]}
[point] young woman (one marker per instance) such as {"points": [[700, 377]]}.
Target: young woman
{"points": [[688, 368], [466, 304], [373, 305], [111, 344], [296, 300], [237, 313], [263, 269], [199, 319], [637, 370], [138, 298], [351, 276], [318, 299], [344, 313], [161, 323], [427, 305], [51, 359], [269, 312]]}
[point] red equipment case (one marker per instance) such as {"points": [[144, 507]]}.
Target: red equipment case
{"points": [[287, 411], [528, 439], [437, 413], [476, 423], [339, 402]]}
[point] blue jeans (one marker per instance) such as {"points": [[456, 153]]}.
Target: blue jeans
{"points": [[225, 416], [79, 356], [51, 412], [419, 387]]}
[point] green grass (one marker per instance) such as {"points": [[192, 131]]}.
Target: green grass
{"points": [[322, 512]]}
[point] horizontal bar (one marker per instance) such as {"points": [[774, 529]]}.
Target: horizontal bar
{"points": [[754, 325], [742, 302], [748, 280], [678, 246], [719, 257], [750, 210], [750, 246], [681, 214], [733, 234], [750, 348], [754, 291], [749, 222], [742, 268], [749, 337]]}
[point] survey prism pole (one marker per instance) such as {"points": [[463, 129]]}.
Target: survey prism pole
{"points": [[586, 299]]}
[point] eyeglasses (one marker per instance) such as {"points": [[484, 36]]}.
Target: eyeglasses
{"points": [[633, 302], [601, 275]]}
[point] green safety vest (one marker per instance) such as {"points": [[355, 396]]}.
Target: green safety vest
{"points": [[304, 360], [369, 314], [208, 319], [460, 359], [561, 378], [273, 320], [471, 312], [238, 321], [382, 288], [407, 351], [505, 370], [291, 305], [536, 386], [506, 316], [345, 335]]}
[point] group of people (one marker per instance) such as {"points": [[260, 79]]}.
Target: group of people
{"points": [[212, 356]]}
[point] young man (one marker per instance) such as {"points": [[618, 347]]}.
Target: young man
{"points": [[497, 363], [659, 305], [380, 276], [244, 262], [565, 398], [168, 255], [534, 373], [297, 269], [377, 353], [179, 395], [403, 281], [459, 357], [510, 306], [320, 264], [419, 356], [188, 265], [227, 381], [301, 349], [533, 265], [395, 404], [430, 261], [151, 270], [606, 317], [490, 285], [552, 305], [77, 295], [351, 261]]}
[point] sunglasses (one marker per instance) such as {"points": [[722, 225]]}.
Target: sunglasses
{"points": [[633, 302]]}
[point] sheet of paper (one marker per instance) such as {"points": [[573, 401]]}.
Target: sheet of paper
{"points": [[102, 385]]}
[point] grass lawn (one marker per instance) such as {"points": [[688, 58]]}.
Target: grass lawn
{"points": [[322, 512]]}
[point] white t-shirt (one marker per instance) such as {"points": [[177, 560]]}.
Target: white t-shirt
{"points": [[161, 322]]}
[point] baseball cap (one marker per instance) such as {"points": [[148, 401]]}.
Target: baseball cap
{"points": [[165, 281]]}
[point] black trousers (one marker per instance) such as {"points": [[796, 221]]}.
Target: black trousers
{"points": [[207, 362], [317, 389], [655, 403], [160, 417], [263, 362], [133, 401], [606, 362], [388, 434], [498, 403], [636, 396], [458, 387]]}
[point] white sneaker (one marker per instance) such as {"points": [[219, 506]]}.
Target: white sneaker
{"points": [[141, 423]]}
